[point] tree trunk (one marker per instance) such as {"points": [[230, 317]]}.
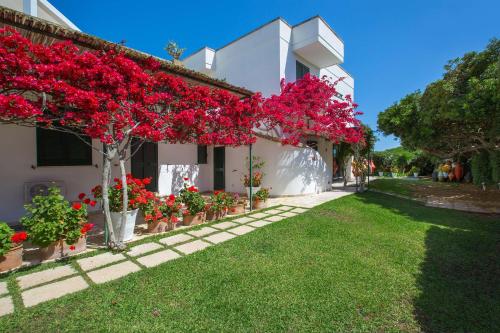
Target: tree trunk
{"points": [[105, 195], [125, 196]]}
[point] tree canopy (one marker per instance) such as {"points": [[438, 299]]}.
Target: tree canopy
{"points": [[456, 115]]}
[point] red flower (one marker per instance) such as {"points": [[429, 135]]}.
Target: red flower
{"points": [[81, 196], [174, 219], [86, 201], [171, 197], [72, 248], [92, 203], [186, 178], [192, 189], [86, 228], [19, 237], [146, 181], [77, 206], [233, 210], [216, 192]]}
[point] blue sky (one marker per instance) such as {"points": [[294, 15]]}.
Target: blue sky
{"points": [[391, 47]]}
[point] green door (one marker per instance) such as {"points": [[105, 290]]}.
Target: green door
{"points": [[219, 168]]}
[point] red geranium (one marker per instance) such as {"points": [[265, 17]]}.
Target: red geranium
{"points": [[19, 237], [87, 201], [92, 203], [81, 196], [72, 248], [86, 228], [77, 206]]}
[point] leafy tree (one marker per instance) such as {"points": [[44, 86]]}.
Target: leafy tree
{"points": [[456, 115]]}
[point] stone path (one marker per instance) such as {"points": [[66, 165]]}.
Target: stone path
{"points": [[48, 284]]}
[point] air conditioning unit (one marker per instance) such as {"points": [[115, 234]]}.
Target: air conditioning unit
{"points": [[32, 189]]}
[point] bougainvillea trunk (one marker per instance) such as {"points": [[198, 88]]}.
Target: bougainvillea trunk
{"points": [[110, 154], [123, 172]]}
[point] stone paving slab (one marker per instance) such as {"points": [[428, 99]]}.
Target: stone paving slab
{"points": [[192, 247], [299, 210], [202, 232], [275, 218], [288, 214], [259, 224], [99, 260], [241, 230], [283, 208], [3, 288], [244, 220], [50, 291], [158, 258], [224, 225], [34, 279], [273, 211], [220, 237], [143, 248], [172, 240], [259, 215], [6, 306], [113, 272]]}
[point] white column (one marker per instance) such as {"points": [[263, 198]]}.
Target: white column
{"points": [[30, 7]]}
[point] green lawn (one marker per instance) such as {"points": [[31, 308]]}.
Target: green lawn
{"points": [[363, 263]]}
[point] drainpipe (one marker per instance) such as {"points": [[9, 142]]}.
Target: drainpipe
{"points": [[250, 173]]}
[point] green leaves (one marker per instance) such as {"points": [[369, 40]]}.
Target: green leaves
{"points": [[51, 218], [5, 238]]}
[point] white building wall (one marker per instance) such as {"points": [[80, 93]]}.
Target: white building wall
{"points": [[18, 166], [253, 61], [288, 170]]}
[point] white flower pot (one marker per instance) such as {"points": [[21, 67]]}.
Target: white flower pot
{"points": [[415, 174], [128, 233], [255, 189], [381, 174], [394, 175]]}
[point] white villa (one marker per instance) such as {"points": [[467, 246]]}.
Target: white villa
{"points": [[33, 158]]}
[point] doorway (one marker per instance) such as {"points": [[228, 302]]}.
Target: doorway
{"points": [[145, 162], [219, 168]]}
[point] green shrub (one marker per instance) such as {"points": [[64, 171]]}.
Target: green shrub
{"points": [[480, 168], [495, 166]]}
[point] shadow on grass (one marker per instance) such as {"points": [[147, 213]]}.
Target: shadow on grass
{"points": [[459, 279]]}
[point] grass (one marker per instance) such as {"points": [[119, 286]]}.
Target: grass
{"points": [[396, 186], [365, 263]]}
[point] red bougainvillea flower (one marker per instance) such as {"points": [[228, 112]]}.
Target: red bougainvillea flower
{"points": [[146, 181], [81, 196], [171, 197], [19, 237], [77, 206], [72, 248], [186, 178]]}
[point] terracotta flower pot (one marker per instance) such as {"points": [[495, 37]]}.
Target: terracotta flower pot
{"points": [[259, 204], [158, 226], [237, 209], [12, 259], [194, 219], [212, 216], [61, 249]]}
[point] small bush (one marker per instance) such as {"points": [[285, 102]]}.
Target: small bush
{"points": [[480, 168]]}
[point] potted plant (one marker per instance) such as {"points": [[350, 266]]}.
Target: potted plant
{"points": [[254, 180], [194, 210], [11, 247], [260, 198], [381, 173], [57, 226], [161, 214], [137, 196], [414, 170], [216, 206], [235, 204], [394, 171]]}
